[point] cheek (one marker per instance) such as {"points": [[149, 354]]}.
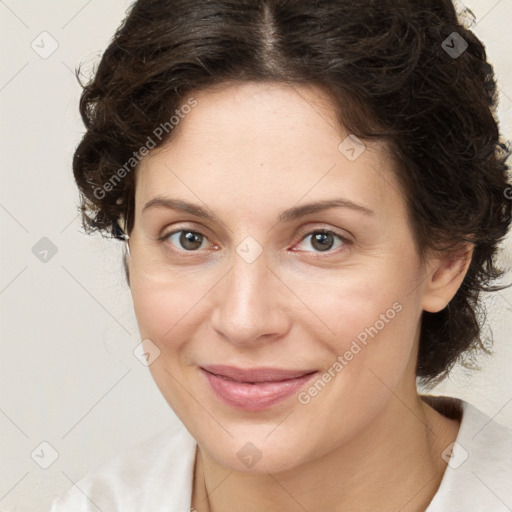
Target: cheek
{"points": [[166, 315], [170, 315], [351, 304], [164, 311], [376, 329], [373, 317]]}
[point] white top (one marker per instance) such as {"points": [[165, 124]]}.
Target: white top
{"points": [[156, 475]]}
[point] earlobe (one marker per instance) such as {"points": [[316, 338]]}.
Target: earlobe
{"points": [[445, 274]]}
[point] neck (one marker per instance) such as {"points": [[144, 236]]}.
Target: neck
{"points": [[394, 464]]}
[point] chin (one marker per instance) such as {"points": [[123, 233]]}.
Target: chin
{"points": [[255, 453]]}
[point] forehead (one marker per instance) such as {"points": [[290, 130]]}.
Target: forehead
{"points": [[266, 139], [252, 115]]}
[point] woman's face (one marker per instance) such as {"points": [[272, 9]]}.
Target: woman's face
{"points": [[312, 312]]}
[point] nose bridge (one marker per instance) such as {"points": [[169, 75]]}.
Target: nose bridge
{"points": [[248, 305]]}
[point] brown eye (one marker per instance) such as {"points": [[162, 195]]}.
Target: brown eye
{"points": [[187, 240], [322, 241]]}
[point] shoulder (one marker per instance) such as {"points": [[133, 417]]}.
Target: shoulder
{"points": [[154, 475], [478, 476]]}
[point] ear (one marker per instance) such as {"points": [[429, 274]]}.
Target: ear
{"points": [[445, 273]]}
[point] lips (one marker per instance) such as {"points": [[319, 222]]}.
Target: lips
{"points": [[254, 389]]}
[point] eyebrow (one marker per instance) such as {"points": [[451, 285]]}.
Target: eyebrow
{"points": [[289, 215]]}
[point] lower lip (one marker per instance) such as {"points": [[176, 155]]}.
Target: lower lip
{"points": [[255, 397]]}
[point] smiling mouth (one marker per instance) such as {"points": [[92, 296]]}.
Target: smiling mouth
{"points": [[254, 389]]}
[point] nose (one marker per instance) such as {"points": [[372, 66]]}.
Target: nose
{"points": [[250, 304]]}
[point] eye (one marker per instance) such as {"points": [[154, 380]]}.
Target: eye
{"points": [[186, 239], [325, 240], [192, 241]]}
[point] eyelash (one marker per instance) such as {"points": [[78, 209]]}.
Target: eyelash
{"points": [[318, 254]]}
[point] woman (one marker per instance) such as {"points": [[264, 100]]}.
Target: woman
{"points": [[311, 195]]}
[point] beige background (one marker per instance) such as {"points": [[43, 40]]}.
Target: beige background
{"points": [[68, 376]]}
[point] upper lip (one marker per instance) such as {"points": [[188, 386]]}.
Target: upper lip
{"points": [[261, 374]]}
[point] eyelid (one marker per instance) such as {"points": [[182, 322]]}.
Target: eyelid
{"points": [[308, 230], [168, 231], [345, 241], [167, 234]]}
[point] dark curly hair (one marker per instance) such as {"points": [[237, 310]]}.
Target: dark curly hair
{"points": [[404, 72]]}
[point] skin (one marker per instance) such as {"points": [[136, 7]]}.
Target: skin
{"points": [[247, 152]]}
